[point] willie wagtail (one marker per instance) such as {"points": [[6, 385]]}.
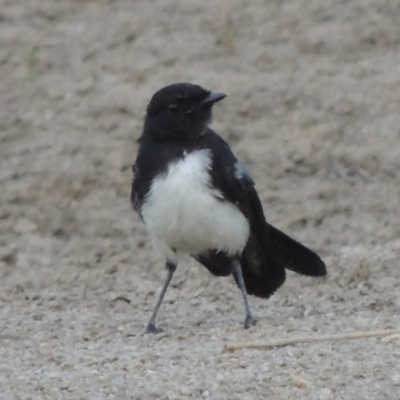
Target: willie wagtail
{"points": [[196, 198]]}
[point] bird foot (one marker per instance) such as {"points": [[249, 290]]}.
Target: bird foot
{"points": [[249, 321], [151, 328]]}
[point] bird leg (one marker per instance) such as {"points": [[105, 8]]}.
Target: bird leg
{"points": [[237, 270], [151, 326]]}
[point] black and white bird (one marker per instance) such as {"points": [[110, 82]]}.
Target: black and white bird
{"points": [[195, 198]]}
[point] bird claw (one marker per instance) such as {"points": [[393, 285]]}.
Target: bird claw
{"points": [[249, 321], [151, 328]]}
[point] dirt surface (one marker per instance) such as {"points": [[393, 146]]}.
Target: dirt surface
{"points": [[312, 109]]}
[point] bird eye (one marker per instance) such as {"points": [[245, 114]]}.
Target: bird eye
{"points": [[173, 107]]}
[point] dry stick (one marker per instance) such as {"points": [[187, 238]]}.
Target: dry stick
{"points": [[306, 339]]}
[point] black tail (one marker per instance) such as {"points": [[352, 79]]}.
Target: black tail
{"points": [[264, 260], [292, 255], [266, 257], [265, 283], [262, 276]]}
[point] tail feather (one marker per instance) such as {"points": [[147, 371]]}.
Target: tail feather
{"points": [[263, 265], [264, 260], [262, 284], [292, 255]]}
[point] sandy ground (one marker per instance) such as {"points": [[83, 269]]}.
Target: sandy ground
{"points": [[312, 109]]}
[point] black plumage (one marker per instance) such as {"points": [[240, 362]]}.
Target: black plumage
{"points": [[176, 125]]}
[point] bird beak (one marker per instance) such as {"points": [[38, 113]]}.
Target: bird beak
{"points": [[213, 97], [210, 99]]}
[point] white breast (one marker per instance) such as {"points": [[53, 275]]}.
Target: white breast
{"points": [[183, 214]]}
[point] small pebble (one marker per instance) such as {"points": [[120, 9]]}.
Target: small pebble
{"points": [[300, 382], [396, 379]]}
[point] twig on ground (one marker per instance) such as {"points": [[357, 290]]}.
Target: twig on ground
{"points": [[308, 339]]}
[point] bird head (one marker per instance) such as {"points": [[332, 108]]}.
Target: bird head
{"points": [[181, 111]]}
